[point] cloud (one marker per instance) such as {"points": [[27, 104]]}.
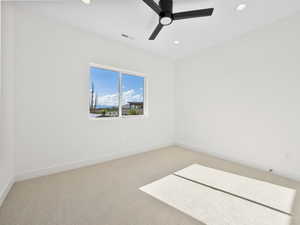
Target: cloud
{"points": [[113, 99], [131, 96], [109, 100]]}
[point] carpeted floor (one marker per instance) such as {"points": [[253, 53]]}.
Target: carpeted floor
{"points": [[108, 193]]}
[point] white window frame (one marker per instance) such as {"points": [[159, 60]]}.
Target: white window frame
{"points": [[125, 72]]}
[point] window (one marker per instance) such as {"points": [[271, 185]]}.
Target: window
{"points": [[115, 94], [104, 96], [132, 95]]}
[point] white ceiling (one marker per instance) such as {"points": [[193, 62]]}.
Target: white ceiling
{"points": [[110, 18]]}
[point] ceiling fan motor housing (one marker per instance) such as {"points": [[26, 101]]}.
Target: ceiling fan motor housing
{"points": [[166, 17]]}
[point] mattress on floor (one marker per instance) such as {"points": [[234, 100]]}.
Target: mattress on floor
{"points": [[274, 196]]}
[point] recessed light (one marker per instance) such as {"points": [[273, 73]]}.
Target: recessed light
{"points": [[86, 1], [176, 42], [241, 7]]}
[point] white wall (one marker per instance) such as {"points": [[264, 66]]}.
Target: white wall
{"points": [[6, 106], [53, 130], [237, 101], [240, 101]]}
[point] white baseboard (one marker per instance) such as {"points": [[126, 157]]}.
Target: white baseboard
{"points": [[5, 191], [79, 164], [218, 155], [292, 176]]}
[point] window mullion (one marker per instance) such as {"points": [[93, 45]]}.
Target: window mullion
{"points": [[120, 94]]}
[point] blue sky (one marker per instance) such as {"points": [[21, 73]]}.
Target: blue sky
{"points": [[105, 81], [106, 87], [135, 83]]}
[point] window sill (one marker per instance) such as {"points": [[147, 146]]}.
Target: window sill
{"points": [[120, 118]]}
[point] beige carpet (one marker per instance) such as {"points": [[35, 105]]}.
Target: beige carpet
{"points": [[108, 193]]}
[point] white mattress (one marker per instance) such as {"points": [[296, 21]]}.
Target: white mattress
{"points": [[274, 196], [210, 206]]}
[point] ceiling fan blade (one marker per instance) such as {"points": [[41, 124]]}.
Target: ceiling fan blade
{"points": [[193, 14], [156, 31], [166, 5], [152, 4]]}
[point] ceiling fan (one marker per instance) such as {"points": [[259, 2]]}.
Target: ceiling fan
{"points": [[166, 15]]}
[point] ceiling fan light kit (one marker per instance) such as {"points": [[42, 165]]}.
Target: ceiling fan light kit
{"points": [[166, 16], [165, 19]]}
